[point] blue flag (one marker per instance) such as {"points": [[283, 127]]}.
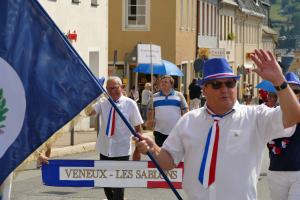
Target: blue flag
{"points": [[43, 81]]}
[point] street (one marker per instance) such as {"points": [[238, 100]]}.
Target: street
{"points": [[27, 185]]}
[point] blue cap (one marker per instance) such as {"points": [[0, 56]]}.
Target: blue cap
{"points": [[292, 78], [217, 68]]}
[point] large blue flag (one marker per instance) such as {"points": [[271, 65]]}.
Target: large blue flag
{"points": [[43, 81]]}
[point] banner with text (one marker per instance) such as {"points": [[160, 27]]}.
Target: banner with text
{"points": [[90, 173]]}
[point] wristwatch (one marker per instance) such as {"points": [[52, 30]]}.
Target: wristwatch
{"points": [[282, 86]]}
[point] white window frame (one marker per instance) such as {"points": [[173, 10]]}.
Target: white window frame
{"points": [[182, 16], [130, 27]]}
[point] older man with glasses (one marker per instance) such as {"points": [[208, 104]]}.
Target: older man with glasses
{"points": [[222, 143], [284, 153], [114, 139]]}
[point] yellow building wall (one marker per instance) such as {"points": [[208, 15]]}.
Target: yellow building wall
{"points": [[161, 31]]}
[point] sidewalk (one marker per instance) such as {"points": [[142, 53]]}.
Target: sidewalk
{"points": [[84, 141]]}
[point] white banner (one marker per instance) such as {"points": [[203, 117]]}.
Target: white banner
{"points": [[149, 53], [109, 174]]}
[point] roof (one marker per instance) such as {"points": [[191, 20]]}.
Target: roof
{"points": [[266, 2], [250, 7], [229, 2], [269, 30]]}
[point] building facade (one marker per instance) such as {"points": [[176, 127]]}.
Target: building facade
{"points": [[85, 24], [248, 27], [170, 24]]}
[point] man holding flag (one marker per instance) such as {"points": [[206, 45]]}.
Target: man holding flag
{"points": [[222, 143], [114, 139], [43, 81]]}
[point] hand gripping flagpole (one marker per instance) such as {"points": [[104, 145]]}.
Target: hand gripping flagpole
{"points": [[109, 98], [138, 136]]}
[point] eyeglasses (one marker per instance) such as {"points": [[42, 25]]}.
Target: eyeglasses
{"points": [[218, 84], [112, 88], [296, 91]]}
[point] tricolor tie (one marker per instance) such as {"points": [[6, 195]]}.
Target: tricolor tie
{"points": [[111, 123], [207, 174]]}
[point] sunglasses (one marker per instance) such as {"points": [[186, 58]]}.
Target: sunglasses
{"points": [[296, 91], [218, 84]]}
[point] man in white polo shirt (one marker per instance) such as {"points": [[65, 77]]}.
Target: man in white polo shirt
{"points": [[222, 143], [114, 139], [165, 109]]}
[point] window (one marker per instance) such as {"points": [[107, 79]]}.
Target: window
{"points": [[136, 14]]}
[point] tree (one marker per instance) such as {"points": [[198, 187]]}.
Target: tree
{"points": [[282, 31], [296, 22]]}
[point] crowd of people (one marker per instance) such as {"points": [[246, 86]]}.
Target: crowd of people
{"points": [[222, 142]]}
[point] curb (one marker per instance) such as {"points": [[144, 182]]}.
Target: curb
{"points": [[79, 148]]}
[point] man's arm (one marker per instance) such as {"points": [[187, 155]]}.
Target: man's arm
{"points": [[269, 69], [136, 154], [184, 105], [162, 156], [150, 118]]}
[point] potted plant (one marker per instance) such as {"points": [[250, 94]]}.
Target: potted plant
{"points": [[230, 36]]}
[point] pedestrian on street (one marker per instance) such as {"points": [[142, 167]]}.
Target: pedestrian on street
{"points": [[146, 96], [222, 143], [114, 140], [272, 100], [165, 109], [195, 93], [134, 94], [284, 153]]}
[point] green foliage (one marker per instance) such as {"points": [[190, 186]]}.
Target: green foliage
{"points": [[3, 109], [285, 13], [230, 36]]}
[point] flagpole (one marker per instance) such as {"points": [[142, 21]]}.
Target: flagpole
{"points": [[151, 65], [109, 99]]}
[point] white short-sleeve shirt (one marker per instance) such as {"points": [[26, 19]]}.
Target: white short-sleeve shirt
{"points": [[120, 143], [244, 134]]}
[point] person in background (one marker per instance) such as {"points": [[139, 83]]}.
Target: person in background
{"points": [[114, 140], [284, 153], [263, 96], [5, 187], [134, 94], [222, 143], [146, 96], [195, 94], [272, 100], [247, 94], [165, 109]]}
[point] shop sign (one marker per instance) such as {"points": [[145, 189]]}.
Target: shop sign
{"points": [[149, 53]]}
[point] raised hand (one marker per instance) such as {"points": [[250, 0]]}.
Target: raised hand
{"points": [[267, 66]]}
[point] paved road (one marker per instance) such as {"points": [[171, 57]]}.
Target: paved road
{"points": [[27, 185]]}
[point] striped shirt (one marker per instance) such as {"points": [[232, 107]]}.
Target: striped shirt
{"points": [[167, 110]]}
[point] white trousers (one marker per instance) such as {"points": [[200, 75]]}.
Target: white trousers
{"points": [[194, 103], [284, 185]]}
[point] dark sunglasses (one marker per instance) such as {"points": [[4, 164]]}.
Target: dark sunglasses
{"points": [[296, 91], [218, 84]]}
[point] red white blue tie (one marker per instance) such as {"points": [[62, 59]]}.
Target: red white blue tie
{"points": [[111, 123], [207, 174]]}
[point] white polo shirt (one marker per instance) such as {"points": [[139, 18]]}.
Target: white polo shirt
{"points": [[120, 143], [167, 110], [244, 134]]}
